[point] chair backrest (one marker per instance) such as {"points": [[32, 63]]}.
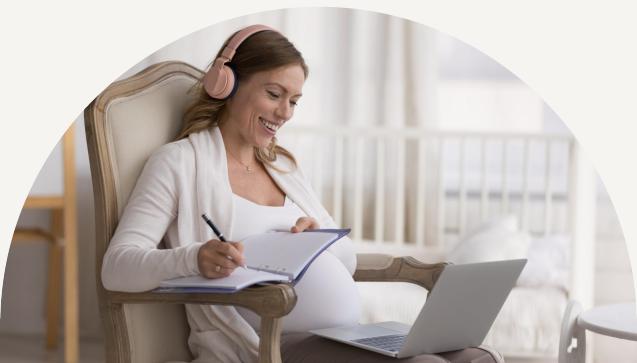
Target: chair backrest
{"points": [[124, 125]]}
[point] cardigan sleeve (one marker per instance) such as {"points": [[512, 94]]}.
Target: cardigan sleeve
{"points": [[132, 262]]}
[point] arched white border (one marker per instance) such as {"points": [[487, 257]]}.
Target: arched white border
{"points": [[580, 57]]}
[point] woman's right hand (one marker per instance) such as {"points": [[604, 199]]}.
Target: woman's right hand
{"points": [[218, 259]]}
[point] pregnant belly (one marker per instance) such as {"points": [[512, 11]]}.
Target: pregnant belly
{"points": [[326, 297]]}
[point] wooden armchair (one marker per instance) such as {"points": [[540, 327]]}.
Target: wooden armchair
{"points": [[124, 124]]}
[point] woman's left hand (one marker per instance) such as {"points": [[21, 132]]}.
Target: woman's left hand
{"points": [[304, 223]]}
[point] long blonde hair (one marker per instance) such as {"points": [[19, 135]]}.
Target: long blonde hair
{"points": [[263, 51]]}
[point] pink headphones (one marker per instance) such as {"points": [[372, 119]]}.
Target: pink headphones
{"points": [[220, 82]]}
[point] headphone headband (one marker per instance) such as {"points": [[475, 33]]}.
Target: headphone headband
{"points": [[237, 39], [220, 81]]}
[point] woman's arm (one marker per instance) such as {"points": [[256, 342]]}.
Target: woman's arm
{"points": [[132, 261]]}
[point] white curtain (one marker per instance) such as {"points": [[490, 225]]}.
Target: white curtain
{"points": [[366, 69]]}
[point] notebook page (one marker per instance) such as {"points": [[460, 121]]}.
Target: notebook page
{"points": [[284, 252]]}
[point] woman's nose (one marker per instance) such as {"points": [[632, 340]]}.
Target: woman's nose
{"points": [[284, 110]]}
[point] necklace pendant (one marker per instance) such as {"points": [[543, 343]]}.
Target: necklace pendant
{"points": [[248, 169]]}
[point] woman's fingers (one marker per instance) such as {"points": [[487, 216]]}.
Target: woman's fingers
{"points": [[232, 251], [238, 246], [304, 223], [218, 259]]}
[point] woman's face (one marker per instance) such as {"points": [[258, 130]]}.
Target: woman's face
{"points": [[263, 103]]}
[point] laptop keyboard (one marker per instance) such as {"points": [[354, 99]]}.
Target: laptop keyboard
{"points": [[391, 343]]}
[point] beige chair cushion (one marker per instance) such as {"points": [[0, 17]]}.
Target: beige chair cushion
{"points": [[137, 125]]}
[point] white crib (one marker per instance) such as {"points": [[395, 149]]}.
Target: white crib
{"points": [[418, 192]]}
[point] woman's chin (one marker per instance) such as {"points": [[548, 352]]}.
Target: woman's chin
{"points": [[264, 143]]}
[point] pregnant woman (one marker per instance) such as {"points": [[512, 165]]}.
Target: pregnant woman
{"points": [[226, 163]]}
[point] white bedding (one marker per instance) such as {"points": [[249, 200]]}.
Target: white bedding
{"points": [[528, 324]]}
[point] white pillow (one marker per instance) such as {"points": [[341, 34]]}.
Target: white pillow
{"points": [[494, 240], [499, 239], [549, 262], [507, 222]]}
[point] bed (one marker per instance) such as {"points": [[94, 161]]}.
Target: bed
{"points": [[462, 197]]}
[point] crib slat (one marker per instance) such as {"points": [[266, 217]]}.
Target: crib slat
{"points": [[400, 193], [379, 220], [505, 188], [566, 222], [548, 192], [338, 181], [484, 201], [421, 221], [358, 189], [440, 192], [525, 186], [462, 210], [317, 170]]}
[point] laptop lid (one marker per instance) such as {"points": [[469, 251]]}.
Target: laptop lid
{"points": [[462, 306]]}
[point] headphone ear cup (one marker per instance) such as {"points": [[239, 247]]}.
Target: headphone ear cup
{"points": [[219, 82], [235, 83]]}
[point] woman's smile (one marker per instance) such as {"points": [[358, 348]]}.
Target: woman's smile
{"points": [[269, 126]]}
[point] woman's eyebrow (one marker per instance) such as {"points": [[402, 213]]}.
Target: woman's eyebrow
{"points": [[283, 88]]}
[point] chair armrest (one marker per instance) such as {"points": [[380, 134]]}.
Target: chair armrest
{"points": [[272, 301], [380, 267]]}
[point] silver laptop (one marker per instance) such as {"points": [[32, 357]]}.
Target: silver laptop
{"points": [[458, 313]]}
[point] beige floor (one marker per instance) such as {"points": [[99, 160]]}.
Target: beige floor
{"points": [[30, 349]]}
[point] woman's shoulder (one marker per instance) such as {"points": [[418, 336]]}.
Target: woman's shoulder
{"points": [[172, 153]]}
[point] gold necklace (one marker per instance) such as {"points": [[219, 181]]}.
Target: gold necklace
{"points": [[248, 168]]}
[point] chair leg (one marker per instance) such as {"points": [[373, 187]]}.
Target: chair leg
{"points": [[270, 340], [117, 344]]}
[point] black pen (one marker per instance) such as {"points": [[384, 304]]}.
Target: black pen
{"points": [[217, 231], [214, 228]]}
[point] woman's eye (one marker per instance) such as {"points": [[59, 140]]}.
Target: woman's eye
{"points": [[273, 94], [294, 103]]}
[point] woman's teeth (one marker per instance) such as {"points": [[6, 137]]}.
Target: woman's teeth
{"points": [[270, 126]]}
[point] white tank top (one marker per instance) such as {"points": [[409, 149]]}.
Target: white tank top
{"points": [[252, 218], [326, 295]]}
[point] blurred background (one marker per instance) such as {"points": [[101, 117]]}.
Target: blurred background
{"points": [[367, 70]]}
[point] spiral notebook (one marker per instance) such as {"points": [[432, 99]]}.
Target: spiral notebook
{"points": [[270, 257]]}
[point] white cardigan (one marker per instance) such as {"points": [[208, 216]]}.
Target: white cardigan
{"points": [[179, 182]]}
